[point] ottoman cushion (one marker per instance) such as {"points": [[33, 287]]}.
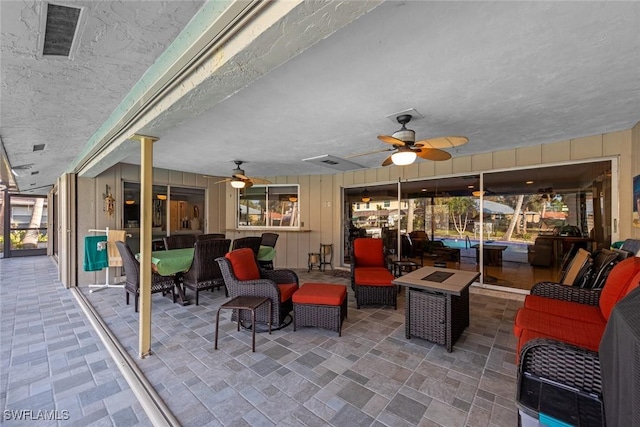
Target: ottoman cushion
{"points": [[320, 294], [373, 276]]}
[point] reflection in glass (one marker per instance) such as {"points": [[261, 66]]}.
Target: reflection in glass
{"points": [[269, 206]]}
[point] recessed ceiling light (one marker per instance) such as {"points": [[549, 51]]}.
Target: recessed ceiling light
{"points": [[470, 186], [529, 182], [424, 189]]}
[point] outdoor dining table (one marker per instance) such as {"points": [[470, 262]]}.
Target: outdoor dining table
{"points": [[173, 262]]}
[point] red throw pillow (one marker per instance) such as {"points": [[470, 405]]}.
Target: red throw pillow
{"points": [[243, 263]]}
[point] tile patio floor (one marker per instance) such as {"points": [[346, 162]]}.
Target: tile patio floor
{"points": [[371, 375]]}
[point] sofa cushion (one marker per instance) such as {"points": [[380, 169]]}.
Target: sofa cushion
{"points": [[368, 252], [287, 290], [587, 342], [320, 294], [373, 276], [244, 265], [616, 285], [583, 334], [568, 309]]}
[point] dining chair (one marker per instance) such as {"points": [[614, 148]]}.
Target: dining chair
{"points": [[179, 241], [268, 239], [159, 283], [200, 237], [204, 272], [243, 277], [252, 243]]}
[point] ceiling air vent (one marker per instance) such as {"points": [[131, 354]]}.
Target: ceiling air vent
{"points": [[333, 162], [60, 30], [38, 147]]}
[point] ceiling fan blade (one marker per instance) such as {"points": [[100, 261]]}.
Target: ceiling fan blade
{"points": [[387, 161], [391, 140], [259, 181], [240, 176], [433, 154], [443, 142], [224, 180], [369, 152]]}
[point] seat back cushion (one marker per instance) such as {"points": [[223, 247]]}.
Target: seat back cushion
{"points": [[635, 283], [368, 252], [579, 260], [617, 283], [243, 263]]}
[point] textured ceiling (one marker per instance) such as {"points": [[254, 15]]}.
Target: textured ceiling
{"points": [[504, 74]]}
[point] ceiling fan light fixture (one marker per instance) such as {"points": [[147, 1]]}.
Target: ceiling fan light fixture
{"points": [[366, 198], [237, 183], [403, 158], [478, 193], [293, 199]]}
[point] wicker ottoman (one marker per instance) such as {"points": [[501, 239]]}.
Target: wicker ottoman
{"points": [[322, 305]]}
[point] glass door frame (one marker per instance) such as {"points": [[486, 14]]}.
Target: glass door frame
{"points": [[9, 228]]}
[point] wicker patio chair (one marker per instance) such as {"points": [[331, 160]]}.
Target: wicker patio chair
{"points": [[370, 277], [159, 283], [179, 241], [204, 272], [252, 243], [210, 236], [243, 277]]}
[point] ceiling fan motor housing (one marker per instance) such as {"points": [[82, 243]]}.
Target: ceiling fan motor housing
{"points": [[405, 135]]}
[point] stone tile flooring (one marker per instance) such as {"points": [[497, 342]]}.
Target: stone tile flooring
{"points": [[53, 366], [371, 375]]}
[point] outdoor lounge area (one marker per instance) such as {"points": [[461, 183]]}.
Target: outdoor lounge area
{"points": [[371, 374], [319, 213]]}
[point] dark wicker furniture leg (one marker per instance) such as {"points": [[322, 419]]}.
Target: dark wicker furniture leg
{"points": [[243, 303]]}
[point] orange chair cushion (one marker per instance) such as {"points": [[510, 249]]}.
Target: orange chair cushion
{"points": [[373, 276], [368, 252], [635, 283], [568, 309], [571, 331], [320, 294], [617, 283], [286, 290], [243, 263], [585, 342]]}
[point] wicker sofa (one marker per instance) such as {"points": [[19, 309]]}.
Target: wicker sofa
{"points": [[580, 384], [574, 315]]}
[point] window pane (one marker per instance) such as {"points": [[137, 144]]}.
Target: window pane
{"points": [[269, 206]]}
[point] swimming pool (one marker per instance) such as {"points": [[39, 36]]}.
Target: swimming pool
{"points": [[520, 247]]}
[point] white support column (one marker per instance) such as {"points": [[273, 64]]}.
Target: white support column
{"points": [[146, 208]]}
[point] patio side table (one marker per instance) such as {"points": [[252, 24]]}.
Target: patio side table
{"points": [[243, 303]]}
